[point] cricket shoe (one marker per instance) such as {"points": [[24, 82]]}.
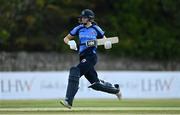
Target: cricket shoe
{"points": [[65, 104], [119, 95]]}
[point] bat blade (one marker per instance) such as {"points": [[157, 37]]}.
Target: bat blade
{"points": [[113, 40]]}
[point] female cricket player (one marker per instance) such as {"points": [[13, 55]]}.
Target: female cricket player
{"points": [[87, 31]]}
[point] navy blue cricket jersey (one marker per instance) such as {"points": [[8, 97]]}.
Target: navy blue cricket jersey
{"points": [[87, 33]]}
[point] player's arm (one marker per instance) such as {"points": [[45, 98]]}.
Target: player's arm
{"points": [[68, 40], [104, 37]]}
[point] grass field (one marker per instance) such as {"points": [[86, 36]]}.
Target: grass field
{"points": [[91, 107]]}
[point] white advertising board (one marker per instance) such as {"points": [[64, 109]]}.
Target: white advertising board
{"points": [[52, 85]]}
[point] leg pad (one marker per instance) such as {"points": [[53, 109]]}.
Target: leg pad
{"points": [[105, 87], [73, 84], [74, 74]]}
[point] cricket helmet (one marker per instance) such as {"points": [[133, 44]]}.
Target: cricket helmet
{"points": [[87, 13]]}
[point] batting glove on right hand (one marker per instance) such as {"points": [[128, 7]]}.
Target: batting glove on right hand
{"points": [[72, 45]]}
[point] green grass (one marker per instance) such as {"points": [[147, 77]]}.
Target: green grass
{"points": [[91, 106]]}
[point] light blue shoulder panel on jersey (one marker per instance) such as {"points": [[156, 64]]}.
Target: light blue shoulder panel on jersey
{"points": [[75, 30], [100, 32]]}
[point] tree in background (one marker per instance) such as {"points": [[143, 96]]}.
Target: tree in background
{"points": [[147, 29]]}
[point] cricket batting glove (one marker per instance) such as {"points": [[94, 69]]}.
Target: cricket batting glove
{"points": [[107, 44], [72, 45]]}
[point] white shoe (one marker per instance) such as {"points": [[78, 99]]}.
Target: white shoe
{"points": [[119, 95], [65, 104]]}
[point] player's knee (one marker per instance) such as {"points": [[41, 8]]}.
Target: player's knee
{"points": [[74, 74]]}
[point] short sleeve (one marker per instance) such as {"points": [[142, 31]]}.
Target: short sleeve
{"points": [[100, 32], [75, 30]]}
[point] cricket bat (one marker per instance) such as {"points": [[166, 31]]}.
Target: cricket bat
{"points": [[113, 40]]}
